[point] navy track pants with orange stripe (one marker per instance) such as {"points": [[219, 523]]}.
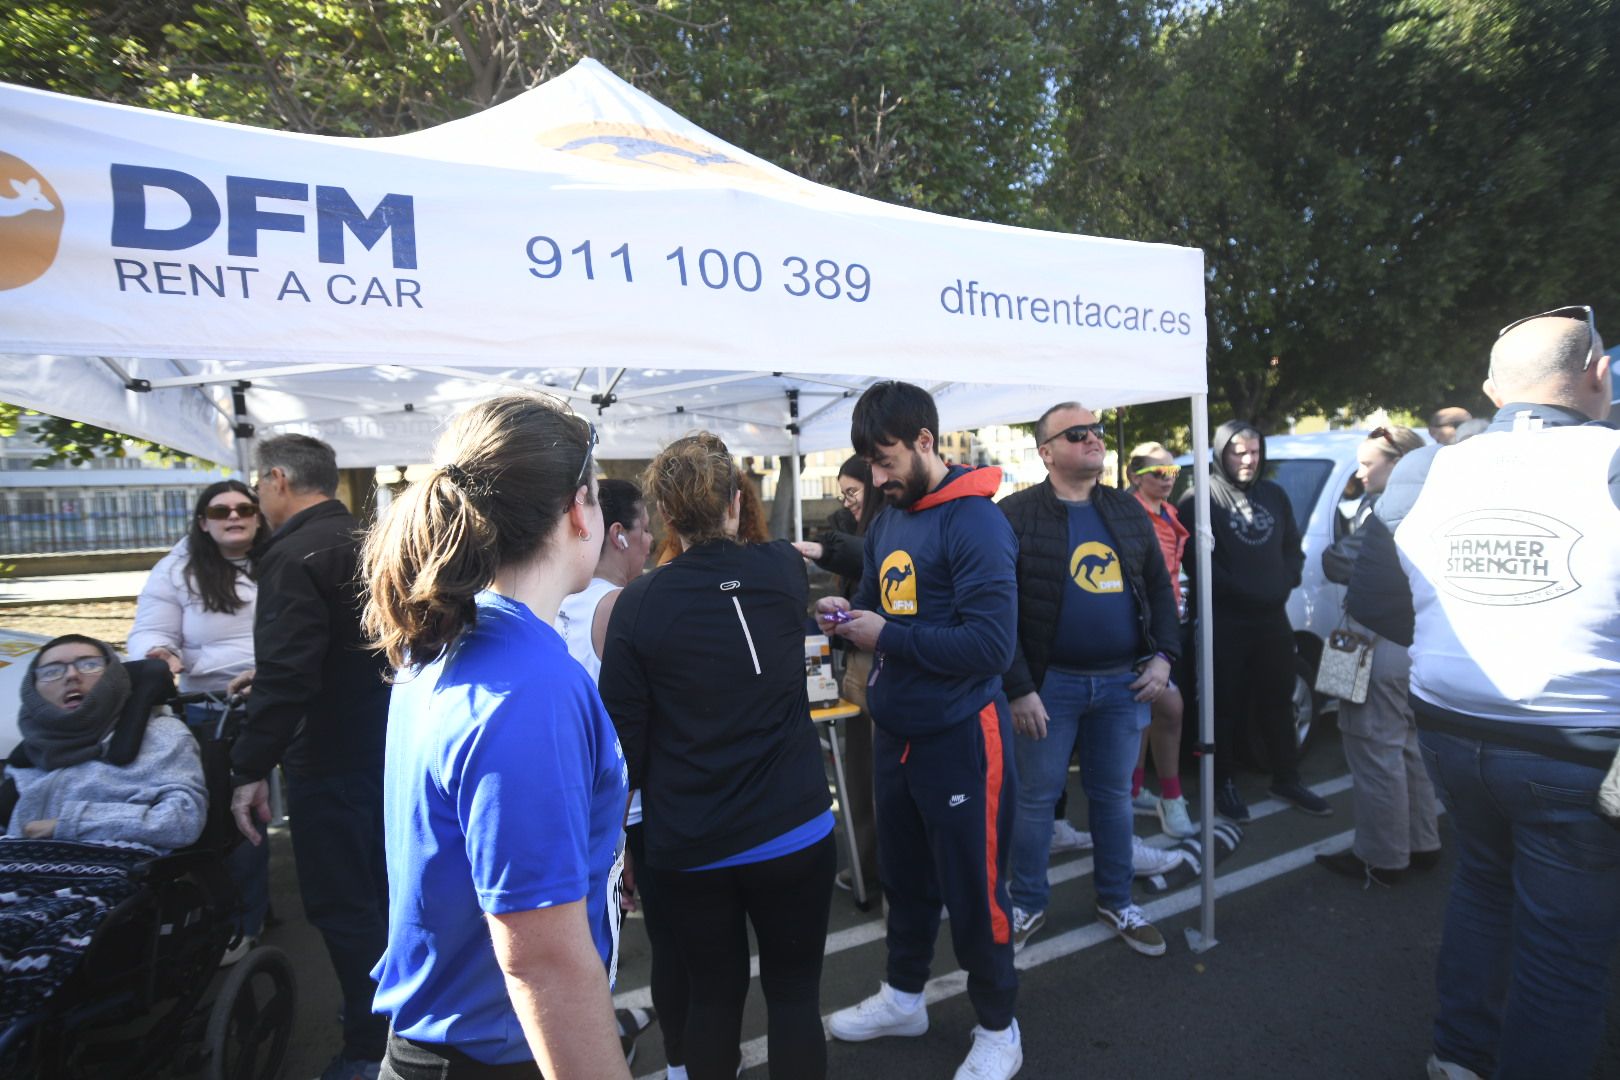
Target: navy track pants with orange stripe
{"points": [[945, 806]]}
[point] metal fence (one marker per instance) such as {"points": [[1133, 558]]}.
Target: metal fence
{"points": [[35, 521]]}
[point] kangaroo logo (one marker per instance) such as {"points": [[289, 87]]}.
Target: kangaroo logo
{"points": [[1095, 568], [648, 148], [30, 223], [898, 580]]}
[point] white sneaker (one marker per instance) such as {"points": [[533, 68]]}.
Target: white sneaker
{"points": [[1144, 803], [996, 1055], [1147, 860], [1174, 819], [1066, 837], [877, 1016], [1448, 1070], [1025, 923]]}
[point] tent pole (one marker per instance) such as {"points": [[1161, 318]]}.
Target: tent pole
{"points": [[242, 429], [1203, 938], [798, 490]]}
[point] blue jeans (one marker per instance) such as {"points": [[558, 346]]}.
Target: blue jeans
{"points": [[1534, 913], [1102, 715]]}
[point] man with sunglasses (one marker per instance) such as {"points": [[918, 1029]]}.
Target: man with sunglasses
{"points": [[1496, 559], [319, 707], [1256, 562], [1097, 637]]}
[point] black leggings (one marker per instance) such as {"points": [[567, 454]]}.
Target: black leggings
{"points": [[786, 900], [668, 979]]}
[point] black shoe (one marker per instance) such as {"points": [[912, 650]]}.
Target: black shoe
{"points": [[632, 1022], [1425, 860], [1349, 864], [1229, 804], [1302, 798]]}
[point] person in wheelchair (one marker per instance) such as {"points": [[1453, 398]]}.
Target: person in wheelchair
{"points": [[72, 697], [89, 811]]}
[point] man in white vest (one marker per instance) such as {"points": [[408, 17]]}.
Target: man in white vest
{"points": [[1498, 560]]}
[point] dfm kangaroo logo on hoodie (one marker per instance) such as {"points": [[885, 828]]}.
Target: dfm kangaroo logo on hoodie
{"points": [[30, 222], [897, 583]]}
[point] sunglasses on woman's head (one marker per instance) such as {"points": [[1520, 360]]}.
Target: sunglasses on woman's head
{"points": [[241, 510], [1079, 431], [1163, 472]]}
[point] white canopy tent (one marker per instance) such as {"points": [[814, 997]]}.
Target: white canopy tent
{"points": [[194, 283]]}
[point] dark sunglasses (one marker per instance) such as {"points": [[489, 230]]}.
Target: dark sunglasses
{"points": [[1569, 311], [1389, 439], [241, 510], [1079, 431], [590, 451]]}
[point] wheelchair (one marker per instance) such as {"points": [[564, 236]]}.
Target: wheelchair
{"points": [[148, 996]]}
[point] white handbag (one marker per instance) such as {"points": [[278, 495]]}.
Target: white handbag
{"points": [[1346, 667]]}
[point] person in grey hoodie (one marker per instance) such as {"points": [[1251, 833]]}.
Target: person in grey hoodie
{"points": [[72, 696], [1255, 564]]}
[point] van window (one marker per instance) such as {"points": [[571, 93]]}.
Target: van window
{"points": [[1302, 479]]}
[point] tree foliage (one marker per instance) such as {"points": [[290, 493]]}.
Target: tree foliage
{"points": [[1375, 184], [71, 442]]}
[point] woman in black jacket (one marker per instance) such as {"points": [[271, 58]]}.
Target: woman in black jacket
{"points": [[703, 674]]}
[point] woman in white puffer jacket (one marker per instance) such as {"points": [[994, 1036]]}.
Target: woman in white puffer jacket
{"points": [[196, 611]]}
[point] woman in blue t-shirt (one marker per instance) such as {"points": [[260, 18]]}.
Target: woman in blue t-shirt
{"points": [[703, 673], [504, 788]]}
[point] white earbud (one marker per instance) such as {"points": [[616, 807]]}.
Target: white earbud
{"points": [[620, 542]]}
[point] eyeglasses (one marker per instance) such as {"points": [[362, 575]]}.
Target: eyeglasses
{"points": [[849, 495], [1163, 472], [1569, 311], [84, 665], [1079, 431], [590, 452], [241, 510]]}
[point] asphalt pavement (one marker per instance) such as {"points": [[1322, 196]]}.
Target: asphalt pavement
{"points": [[1312, 975]]}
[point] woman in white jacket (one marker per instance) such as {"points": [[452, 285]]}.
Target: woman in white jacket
{"points": [[196, 615], [196, 611]]}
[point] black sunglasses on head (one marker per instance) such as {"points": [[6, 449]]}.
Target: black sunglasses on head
{"points": [[1569, 311], [1079, 431], [590, 451]]}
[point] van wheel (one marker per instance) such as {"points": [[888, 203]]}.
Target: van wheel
{"points": [[1306, 703]]}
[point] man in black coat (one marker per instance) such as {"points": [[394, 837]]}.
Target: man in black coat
{"points": [[319, 708], [1256, 562], [1097, 638]]}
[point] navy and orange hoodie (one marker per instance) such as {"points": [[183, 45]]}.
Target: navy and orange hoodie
{"points": [[943, 572]]}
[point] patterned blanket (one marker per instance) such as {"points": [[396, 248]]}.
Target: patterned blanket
{"points": [[53, 895]]}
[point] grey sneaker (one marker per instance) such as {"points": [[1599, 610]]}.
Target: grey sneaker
{"points": [[1025, 923], [1144, 803], [1066, 837], [1129, 923], [877, 1016], [1174, 819]]}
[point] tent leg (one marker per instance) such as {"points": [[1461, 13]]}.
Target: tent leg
{"points": [[798, 488], [242, 430], [1203, 938]]}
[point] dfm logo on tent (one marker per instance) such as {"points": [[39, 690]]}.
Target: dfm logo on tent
{"points": [[30, 222], [244, 216], [633, 144]]}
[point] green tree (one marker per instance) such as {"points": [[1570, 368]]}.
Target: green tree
{"points": [[1376, 185]]}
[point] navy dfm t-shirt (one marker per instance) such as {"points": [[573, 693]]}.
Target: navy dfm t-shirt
{"points": [[1097, 625]]}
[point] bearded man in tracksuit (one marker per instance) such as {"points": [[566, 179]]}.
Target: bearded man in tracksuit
{"points": [[937, 604]]}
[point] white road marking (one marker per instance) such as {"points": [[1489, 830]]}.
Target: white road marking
{"points": [[1045, 951]]}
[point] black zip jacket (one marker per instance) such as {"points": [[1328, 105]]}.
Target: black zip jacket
{"points": [[320, 697], [1041, 524], [703, 675], [841, 547]]}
